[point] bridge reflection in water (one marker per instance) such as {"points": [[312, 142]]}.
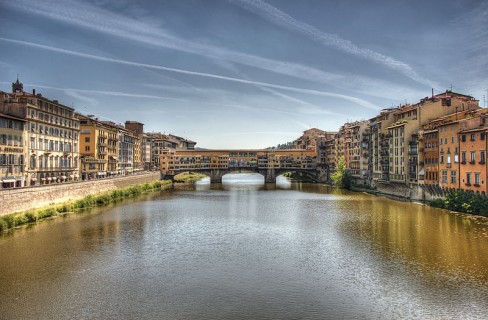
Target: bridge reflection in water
{"points": [[217, 163]]}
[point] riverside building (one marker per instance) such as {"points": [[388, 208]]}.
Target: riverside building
{"points": [[12, 152], [50, 137], [98, 148]]}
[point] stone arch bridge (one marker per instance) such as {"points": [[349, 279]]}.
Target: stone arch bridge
{"points": [[217, 163]]}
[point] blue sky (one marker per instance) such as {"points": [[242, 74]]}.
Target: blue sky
{"points": [[242, 73]]}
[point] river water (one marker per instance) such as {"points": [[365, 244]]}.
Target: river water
{"points": [[244, 250]]}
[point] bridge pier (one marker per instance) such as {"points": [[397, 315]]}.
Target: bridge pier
{"points": [[216, 176], [270, 176]]}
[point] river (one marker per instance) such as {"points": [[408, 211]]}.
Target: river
{"points": [[246, 250]]}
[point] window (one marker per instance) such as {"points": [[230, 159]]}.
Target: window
{"points": [[463, 156], [482, 157], [87, 148], [87, 139], [453, 176], [477, 179], [444, 176], [442, 158], [33, 162], [482, 136], [473, 157], [33, 143], [472, 137], [468, 178], [463, 138]]}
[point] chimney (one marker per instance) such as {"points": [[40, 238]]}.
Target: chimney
{"points": [[432, 92], [33, 92]]}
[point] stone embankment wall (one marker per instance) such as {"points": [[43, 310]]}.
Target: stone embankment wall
{"points": [[412, 193], [15, 200]]}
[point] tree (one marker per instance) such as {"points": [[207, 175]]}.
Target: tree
{"points": [[342, 177]]}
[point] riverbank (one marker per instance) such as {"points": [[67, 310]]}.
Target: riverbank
{"points": [[13, 220], [23, 199], [188, 177], [457, 201]]}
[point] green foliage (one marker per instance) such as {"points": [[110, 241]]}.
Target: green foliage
{"points": [[3, 224], [438, 203], [189, 177], [467, 201], [63, 209], [46, 213], [31, 216], [9, 220], [342, 177]]}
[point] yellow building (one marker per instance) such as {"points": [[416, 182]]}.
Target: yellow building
{"points": [[98, 148]]}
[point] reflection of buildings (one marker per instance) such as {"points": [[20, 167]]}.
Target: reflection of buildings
{"points": [[50, 137]]}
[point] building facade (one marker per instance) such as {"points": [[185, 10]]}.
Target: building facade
{"points": [[12, 152], [50, 138], [98, 148]]}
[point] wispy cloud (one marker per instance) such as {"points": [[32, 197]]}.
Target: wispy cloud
{"points": [[351, 99], [73, 92], [95, 18], [92, 17], [280, 18]]}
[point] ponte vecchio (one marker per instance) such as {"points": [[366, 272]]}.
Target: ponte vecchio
{"points": [[217, 163]]}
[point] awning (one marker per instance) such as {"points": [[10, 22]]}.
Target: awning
{"points": [[77, 176], [71, 176], [421, 172], [63, 177], [43, 179], [33, 179], [8, 180], [101, 173], [49, 178]]}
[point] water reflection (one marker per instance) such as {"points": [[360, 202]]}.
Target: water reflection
{"points": [[249, 251]]}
